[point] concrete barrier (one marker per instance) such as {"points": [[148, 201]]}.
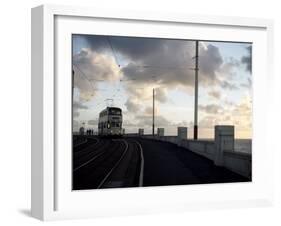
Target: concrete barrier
{"points": [[141, 132], [182, 132], [201, 147], [224, 141], [220, 151], [238, 162], [160, 132]]}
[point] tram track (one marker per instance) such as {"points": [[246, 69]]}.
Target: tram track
{"points": [[89, 154], [113, 163], [91, 173], [128, 171], [78, 147]]}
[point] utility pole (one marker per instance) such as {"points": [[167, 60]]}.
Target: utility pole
{"points": [[195, 131], [153, 114], [72, 96], [73, 82], [72, 78]]}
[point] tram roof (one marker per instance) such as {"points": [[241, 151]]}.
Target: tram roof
{"points": [[109, 108]]}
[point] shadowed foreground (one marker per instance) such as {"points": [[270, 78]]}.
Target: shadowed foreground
{"points": [[168, 164], [136, 162]]}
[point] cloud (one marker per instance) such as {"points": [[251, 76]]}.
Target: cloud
{"points": [[148, 111], [129, 124], [210, 61], [170, 63], [227, 85], [208, 122], [161, 62], [167, 65], [239, 115], [77, 106], [136, 49], [95, 42], [247, 84], [150, 56], [90, 68], [160, 71], [247, 60], [226, 75], [215, 94], [244, 107], [229, 64], [75, 114], [93, 122], [228, 103], [143, 120], [75, 125], [161, 121], [161, 95], [146, 120], [242, 114], [132, 105], [210, 108]]}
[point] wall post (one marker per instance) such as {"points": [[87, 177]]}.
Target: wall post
{"points": [[224, 141]]}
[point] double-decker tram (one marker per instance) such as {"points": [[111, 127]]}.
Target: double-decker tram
{"points": [[110, 122]]}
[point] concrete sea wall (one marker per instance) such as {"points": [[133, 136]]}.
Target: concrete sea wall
{"points": [[220, 151]]}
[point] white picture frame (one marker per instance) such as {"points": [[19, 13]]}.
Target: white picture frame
{"points": [[52, 197]]}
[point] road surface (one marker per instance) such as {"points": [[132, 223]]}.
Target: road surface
{"points": [[136, 162]]}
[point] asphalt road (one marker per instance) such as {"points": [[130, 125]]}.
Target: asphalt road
{"points": [[167, 164], [136, 162]]}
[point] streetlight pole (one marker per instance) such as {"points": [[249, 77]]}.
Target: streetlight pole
{"points": [[153, 111], [195, 131], [72, 80]]}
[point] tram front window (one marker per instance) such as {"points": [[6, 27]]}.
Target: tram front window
{"points": [[115, 111]]}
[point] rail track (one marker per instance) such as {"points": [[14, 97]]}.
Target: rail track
{"points": [[108, 163]]}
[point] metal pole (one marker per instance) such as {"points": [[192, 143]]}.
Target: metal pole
{"points": [[195, 131], [72, 96], [153, 114], [72, 81]]}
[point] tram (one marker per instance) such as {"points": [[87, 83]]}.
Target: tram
{"points": [[110, 122]]}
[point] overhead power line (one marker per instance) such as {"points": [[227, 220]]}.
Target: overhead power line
{"points": [[113, 51], [164, 67], [85, 76]]}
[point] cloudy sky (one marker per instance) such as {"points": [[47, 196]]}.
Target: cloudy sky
{"points": [[122, 72]]}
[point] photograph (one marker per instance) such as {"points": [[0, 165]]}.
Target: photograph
{"points": [[149, 111]]}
